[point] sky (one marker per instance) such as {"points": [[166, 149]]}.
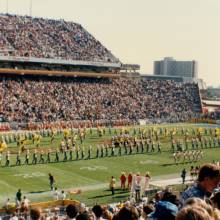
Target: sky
{"points": [[142, 31]]}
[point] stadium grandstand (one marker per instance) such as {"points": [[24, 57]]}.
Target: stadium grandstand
{"points": [[44, 46], [39, 99], [47, 72]]}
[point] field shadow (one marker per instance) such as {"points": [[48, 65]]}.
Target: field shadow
{"points": [[180, 163], [118, 190], [118, 194], [35, 192], [100, 196]]}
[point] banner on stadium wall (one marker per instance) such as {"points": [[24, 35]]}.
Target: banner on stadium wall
{"points": [[203, 120]]}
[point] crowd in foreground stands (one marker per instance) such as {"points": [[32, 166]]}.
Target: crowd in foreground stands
{"points": [[201, 201], [48, 99], [24, 36]]}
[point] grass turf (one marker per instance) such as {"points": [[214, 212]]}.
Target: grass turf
{"points": [[91, 174]]}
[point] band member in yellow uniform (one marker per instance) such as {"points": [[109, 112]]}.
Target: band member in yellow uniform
{"points": [[38, 140], [7, 159], [3, 146], [66, 134], [53, 134]]}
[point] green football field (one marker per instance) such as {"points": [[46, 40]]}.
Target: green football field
{"points": [[90, 174]]}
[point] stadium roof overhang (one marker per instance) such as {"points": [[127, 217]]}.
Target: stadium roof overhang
{"points": [[211, 103], [60, 61]]}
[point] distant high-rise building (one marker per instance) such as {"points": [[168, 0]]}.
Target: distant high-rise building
{"points": [[171, 67]]}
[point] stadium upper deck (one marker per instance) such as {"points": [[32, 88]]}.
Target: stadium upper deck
{"points": [[37, 40]]}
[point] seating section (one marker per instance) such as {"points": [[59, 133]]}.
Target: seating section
{"points": [[48, 99], [24, 36]]}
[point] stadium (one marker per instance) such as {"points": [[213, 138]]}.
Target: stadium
{"points": [[74, 120]]}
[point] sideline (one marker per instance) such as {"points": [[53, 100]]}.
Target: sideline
{"points": [[158, 181]]}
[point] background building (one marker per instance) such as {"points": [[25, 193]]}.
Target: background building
{"points": [[171, 67]]}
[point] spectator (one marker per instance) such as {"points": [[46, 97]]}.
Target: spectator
{"points": [[14, 216], [56, 194], [208, 180], [71, 212], [170, 197], [98, 211], [82, 208], [63, 195], [147, 181], [83, 216], [26, 202], [147, 210], [128, 213], [201, 203], [7, 205], [36, 214], [107, 214], [193, 213], [164, 210], [216, 204]]}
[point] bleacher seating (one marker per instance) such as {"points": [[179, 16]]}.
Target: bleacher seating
{"points": [[49, 99], [24, 36]]}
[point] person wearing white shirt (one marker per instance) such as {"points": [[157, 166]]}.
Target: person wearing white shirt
{"points": [[7, 204], [62, 195], [26, 202], [56, 194], [137, 187], [147, 180], [14, 216]]}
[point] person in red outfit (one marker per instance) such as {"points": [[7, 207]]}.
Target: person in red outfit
{"points": [[129, 180], [123, 180]]}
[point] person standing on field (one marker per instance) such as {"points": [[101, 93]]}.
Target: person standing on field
{"points": [[183, 175], [129, 180], [52, 181], [112, 185], [123, 180]]}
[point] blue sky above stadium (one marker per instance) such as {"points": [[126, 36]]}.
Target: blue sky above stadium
{"points": [[144, 30]]}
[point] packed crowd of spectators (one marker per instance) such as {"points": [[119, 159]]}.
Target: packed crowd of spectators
{"points": [[25, 99], [24, 36], [48, 99], [167, 98]]}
